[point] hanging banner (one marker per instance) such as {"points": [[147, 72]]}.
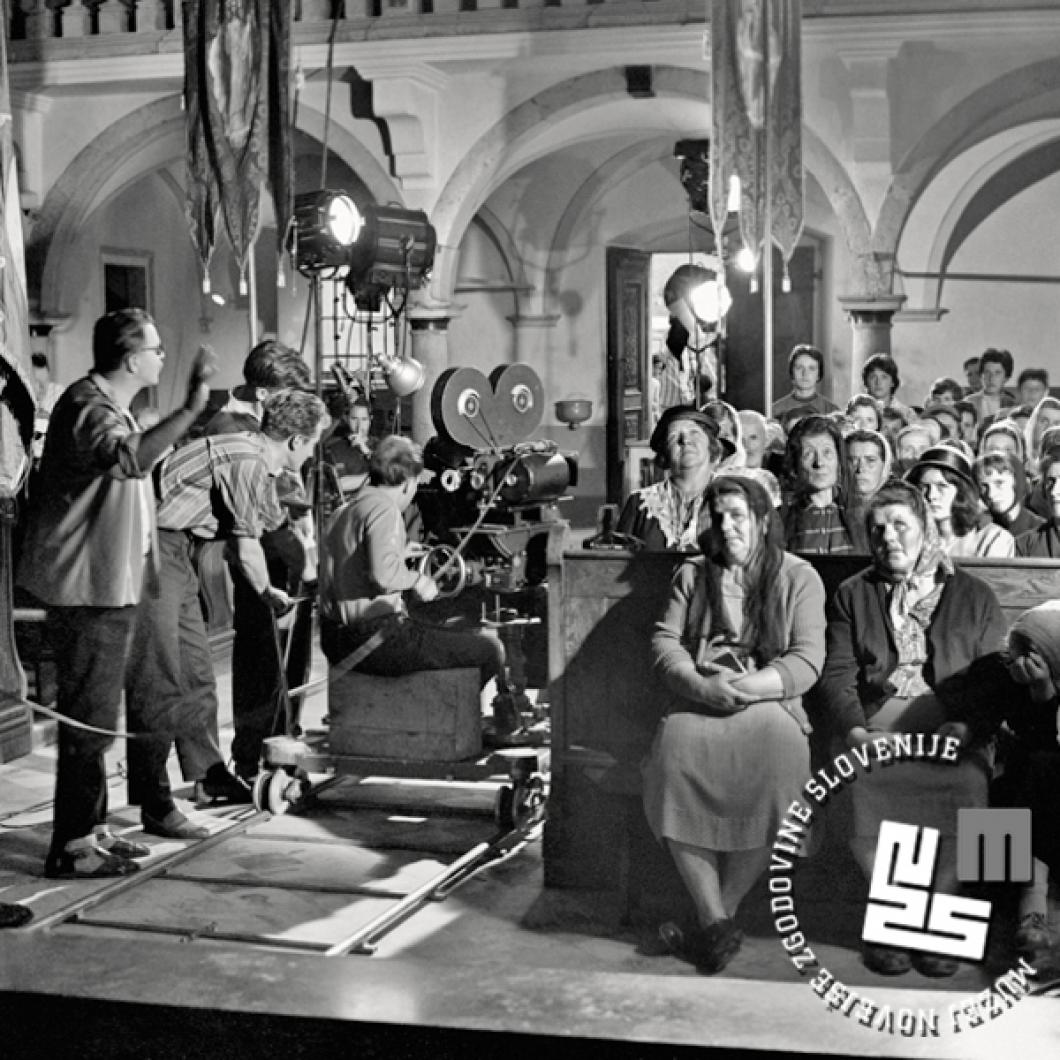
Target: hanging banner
{"points": [[236, 99], [16, 388], [751, 106]]}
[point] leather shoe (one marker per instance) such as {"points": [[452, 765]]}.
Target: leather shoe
{"points": [[884, 960], [173, 826], [13, 915], [87, 862], [710, 949], [119, 845], [933, 966], [221, 786]]}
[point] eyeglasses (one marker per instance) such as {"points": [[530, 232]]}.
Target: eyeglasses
{"points": [[160, 350]]}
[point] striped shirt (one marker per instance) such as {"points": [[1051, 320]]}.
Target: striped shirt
{"points": [[219, 486]]}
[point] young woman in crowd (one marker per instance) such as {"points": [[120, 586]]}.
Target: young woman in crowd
{"points": [[1003, 487], [945, 477]]}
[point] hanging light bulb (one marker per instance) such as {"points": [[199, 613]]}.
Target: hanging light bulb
{"points": [[745, 260], [733, 205]]}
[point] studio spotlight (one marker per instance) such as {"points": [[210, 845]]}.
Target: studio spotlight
{"points": [[326, 224], [394, 249]]}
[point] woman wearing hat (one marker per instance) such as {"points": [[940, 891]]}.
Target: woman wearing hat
{"points": [[669, 515], [895, 631], [944, 475], [740, 642]]}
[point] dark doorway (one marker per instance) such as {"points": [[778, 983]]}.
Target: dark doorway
{"points": [[793, 322]]}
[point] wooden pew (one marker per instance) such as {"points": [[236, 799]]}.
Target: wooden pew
{"points": [[605, 704]]}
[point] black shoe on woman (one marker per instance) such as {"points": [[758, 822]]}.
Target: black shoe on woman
{"points": [[709, 949], [885, 960]]}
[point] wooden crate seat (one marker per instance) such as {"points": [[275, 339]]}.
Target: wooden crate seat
{"points": [[429, 715]]}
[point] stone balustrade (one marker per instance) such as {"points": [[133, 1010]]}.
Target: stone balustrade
{"points": [[123, 22]]}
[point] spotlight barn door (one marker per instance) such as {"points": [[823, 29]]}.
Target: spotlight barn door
{"points": [[628, 360]]}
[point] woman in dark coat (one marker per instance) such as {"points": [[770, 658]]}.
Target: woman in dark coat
{"points": [[895, 631]]}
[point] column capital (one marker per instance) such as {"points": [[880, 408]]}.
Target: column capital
{"points": [[863, 310], [431, 322]]}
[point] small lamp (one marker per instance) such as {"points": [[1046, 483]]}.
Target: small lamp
{"points": [[404, 375]]}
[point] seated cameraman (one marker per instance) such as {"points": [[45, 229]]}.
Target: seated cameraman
{"points": [[363, 574]]}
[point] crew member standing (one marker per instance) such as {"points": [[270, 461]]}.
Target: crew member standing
{"points": [[289, 554], [88, 536], [218, 486]]}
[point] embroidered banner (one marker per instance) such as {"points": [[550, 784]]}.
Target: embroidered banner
{"points": [[746, 36], [236, 99], [16, 389]]}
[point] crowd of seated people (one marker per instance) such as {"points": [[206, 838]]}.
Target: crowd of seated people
{"points": [[912, 488]]}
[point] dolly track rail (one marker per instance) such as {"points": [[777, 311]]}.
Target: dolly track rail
{"points": [[363, 941]]}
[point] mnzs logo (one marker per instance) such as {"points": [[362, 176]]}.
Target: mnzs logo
{"points": [[903, 911]]}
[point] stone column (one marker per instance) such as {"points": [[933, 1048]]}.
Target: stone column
{"points": [[430, 346], [870, 319]]}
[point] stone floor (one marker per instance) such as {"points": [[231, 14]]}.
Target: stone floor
{"points": [[503, 966]]}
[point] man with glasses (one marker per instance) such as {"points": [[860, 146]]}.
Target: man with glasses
{"points": [[88, 537]]}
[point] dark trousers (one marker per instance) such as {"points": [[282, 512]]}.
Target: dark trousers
{"points": [[170, 689], [410, 645], [259, 707], [259, 677], [91, 646]]}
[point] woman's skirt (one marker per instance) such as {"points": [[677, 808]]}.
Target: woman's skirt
{"points": [[724, 783], [924, 793]]}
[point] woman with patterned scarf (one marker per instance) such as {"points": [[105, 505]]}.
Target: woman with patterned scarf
{"points": [[895, 631], [669, 515]]}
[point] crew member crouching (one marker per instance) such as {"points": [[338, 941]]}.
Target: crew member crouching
{"points": [[363, 574]]}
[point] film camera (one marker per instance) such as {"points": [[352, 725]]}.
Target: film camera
{"points": [[494, 493]]}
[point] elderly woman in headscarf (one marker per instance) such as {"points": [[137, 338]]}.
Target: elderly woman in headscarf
{"points": [[730, 430], [669, 515], [1043, 542], [1017, 692], [1046, 414], [895, 631], [740, 642]]}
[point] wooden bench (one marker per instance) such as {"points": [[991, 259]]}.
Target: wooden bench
{"points": [[605, 705]]}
